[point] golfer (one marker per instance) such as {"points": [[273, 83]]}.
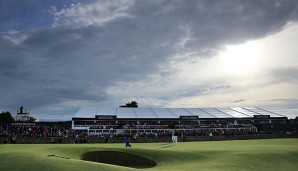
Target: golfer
{"points": [[127, 142]]}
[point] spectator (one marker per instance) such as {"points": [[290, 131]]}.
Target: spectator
{"points": [[106, 138], [53, 140], [210, 136]]}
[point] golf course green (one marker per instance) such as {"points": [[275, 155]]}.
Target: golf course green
{"points": [[237, 155]]}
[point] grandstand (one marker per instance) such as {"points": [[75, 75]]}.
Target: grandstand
{"points": [[122, 120], [101, 124]]}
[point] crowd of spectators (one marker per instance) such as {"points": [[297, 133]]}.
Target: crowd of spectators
{"points": [[63, 130], [39, 130], [161, 125]]}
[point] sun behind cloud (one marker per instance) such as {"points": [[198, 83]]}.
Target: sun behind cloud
{"points": [[241, 59]]}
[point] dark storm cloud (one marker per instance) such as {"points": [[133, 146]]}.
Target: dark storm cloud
{"points": [[55, 60], [214, 23], [28, 14], [65, 63]]}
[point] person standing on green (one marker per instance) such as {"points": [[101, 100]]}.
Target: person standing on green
{"points": [[127, 142]]}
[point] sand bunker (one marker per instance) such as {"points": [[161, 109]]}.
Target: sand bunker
{"points": [[119, 158]]}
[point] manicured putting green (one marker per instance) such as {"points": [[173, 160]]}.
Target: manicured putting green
{"points": [[242, 155]]}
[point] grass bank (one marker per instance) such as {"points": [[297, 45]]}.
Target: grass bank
{"points": [[241, 155]]}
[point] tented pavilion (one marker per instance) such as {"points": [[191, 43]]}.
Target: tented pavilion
{"points": [[102, 120]]}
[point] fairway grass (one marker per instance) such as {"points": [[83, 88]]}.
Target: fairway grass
{"points": [[241, 155]]}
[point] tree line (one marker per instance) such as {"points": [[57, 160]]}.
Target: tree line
{"points": [[6, 116], [132, 104]]}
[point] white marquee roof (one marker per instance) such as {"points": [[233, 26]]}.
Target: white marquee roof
{"points": [[171, 113]]}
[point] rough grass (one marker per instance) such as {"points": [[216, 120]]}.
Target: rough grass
{"points": [[243, 155]]}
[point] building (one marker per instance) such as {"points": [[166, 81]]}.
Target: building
{"points": [[122, 120]]}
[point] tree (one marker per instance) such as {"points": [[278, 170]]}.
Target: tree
{"points": [[132, 104], [31, 119], [296, 119], [6, 117]]}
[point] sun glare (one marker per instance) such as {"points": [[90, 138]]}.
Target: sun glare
{"points": [[241, 59]]}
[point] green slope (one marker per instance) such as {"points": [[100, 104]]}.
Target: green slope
{"points": [[257, 155]]}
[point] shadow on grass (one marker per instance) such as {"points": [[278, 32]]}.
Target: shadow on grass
{"points": [[167, 145], [119, 158]]}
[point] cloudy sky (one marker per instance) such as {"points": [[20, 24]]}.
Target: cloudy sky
{"points": [[59, 55]]}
